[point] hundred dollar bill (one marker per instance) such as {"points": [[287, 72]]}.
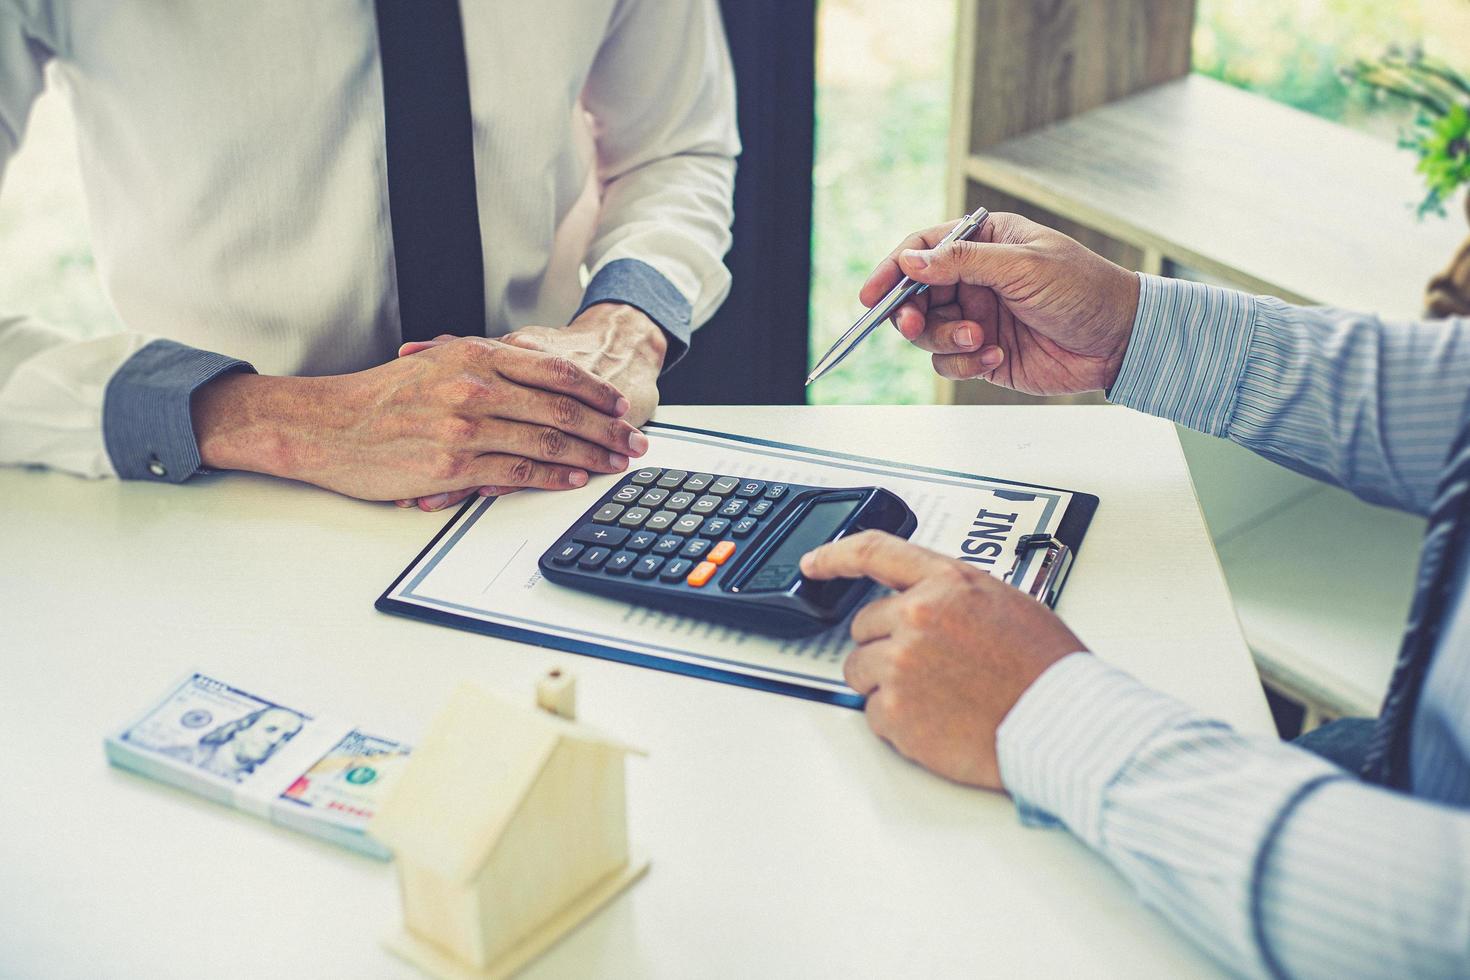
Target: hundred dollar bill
{"points": [[307, 772]]}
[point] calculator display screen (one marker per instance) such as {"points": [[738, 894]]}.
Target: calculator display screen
{"points": [[817, 525]]}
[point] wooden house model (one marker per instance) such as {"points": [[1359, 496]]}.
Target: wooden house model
{"points": [[508, 827]]}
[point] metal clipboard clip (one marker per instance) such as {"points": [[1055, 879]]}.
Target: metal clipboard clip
{"points": [[1042, 580]]}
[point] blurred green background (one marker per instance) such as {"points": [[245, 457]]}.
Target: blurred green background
{"points": [[883, 70]]}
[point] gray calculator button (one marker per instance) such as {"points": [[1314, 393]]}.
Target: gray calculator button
{"points": [[698, 482], [668, 544], [715, 526], [675, 570], [620, 563], [661, 521], [567, 554], [775, 491], [672, 478], [706, 504], [608, 513], [743, 527], [653, 498], [761, 508], [646, 476], [627, 493], [724, 486], [751, 488], [687, 524], [695, 548], [593, 558], [647, 567], [733, 508], [641, 541], [609, 537], [680, 501], [635, 517]]}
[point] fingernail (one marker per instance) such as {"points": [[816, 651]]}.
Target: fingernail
{"points": [[991, 357], [638, 444], [916, 258], [434, 502], [965, 337], [577, 478], [621, 407], [617, 461], [489, 491], [403, 503]]}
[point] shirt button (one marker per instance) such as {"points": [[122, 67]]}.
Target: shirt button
{"points": [[156, 467]]}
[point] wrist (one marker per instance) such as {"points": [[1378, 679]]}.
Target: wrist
{"points": [[626, 328], [1127, 306], [244, 422]]}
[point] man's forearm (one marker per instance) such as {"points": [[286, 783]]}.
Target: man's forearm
{"points": [[253, 422], [1348, 398]]}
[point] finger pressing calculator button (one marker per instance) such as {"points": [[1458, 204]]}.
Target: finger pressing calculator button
{"points": [[702, 573], [668, 544], [635, 517], [721, 552], [620, 563], [733, 508], [715, 526], [724, 486], [760, 508], [744, 526], [567, 554], [706, 504], [608, 513], [750, 488], [775, 491], [695, 548], [653, 498], [641, 541], [609, 537], [687, 524], [661, 521], [676, 569], [647, 566], [646, 475], [698, 482], [627, 493], [672, 478], [593, 558], [680, 501]]}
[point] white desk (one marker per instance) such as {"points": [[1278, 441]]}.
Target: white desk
{"points": [[786, 840]]}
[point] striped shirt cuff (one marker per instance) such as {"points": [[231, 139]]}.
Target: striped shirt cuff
{"points": [[1190, 345], [640, 285], [1071, 734], [147, 425]]}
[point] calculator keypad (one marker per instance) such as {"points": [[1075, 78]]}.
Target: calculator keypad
{"points": [[670, 526]]}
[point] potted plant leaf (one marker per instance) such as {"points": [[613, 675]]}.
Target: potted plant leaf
{"points": [[1440, 135]]}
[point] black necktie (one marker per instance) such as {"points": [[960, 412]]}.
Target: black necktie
{"points": [[1444, 547], [431, 169]]}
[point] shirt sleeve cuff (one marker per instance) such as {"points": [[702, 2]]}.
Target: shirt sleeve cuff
{"points": [[1190, 345], [146, 421], [1071, 734], [640, 285]]}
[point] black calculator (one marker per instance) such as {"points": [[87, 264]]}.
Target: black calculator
{"points": [[722, 548]]}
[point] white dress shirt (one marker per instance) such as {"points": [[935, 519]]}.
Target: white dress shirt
{"points": [[233, 160], [1271, 858]]}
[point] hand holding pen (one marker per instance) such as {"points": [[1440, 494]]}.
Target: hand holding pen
{"points": [[1024, 307]]}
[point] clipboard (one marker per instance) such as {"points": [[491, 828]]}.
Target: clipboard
{"points": [[478, 572]]}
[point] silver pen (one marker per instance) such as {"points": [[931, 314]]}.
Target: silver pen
{"points": [[906, 290]]}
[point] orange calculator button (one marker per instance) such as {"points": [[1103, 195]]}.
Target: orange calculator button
{"points": [[702, 573], [720, 552]]}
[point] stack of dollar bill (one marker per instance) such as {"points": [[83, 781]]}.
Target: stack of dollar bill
{"points": [[307, 772]]}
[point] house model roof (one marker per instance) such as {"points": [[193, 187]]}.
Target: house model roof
{"points": [[468, 776]]}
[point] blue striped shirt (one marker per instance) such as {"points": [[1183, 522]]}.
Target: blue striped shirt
{"points": [[1270, 858]]}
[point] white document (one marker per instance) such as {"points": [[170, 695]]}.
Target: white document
{"points": [[482, 574]]}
